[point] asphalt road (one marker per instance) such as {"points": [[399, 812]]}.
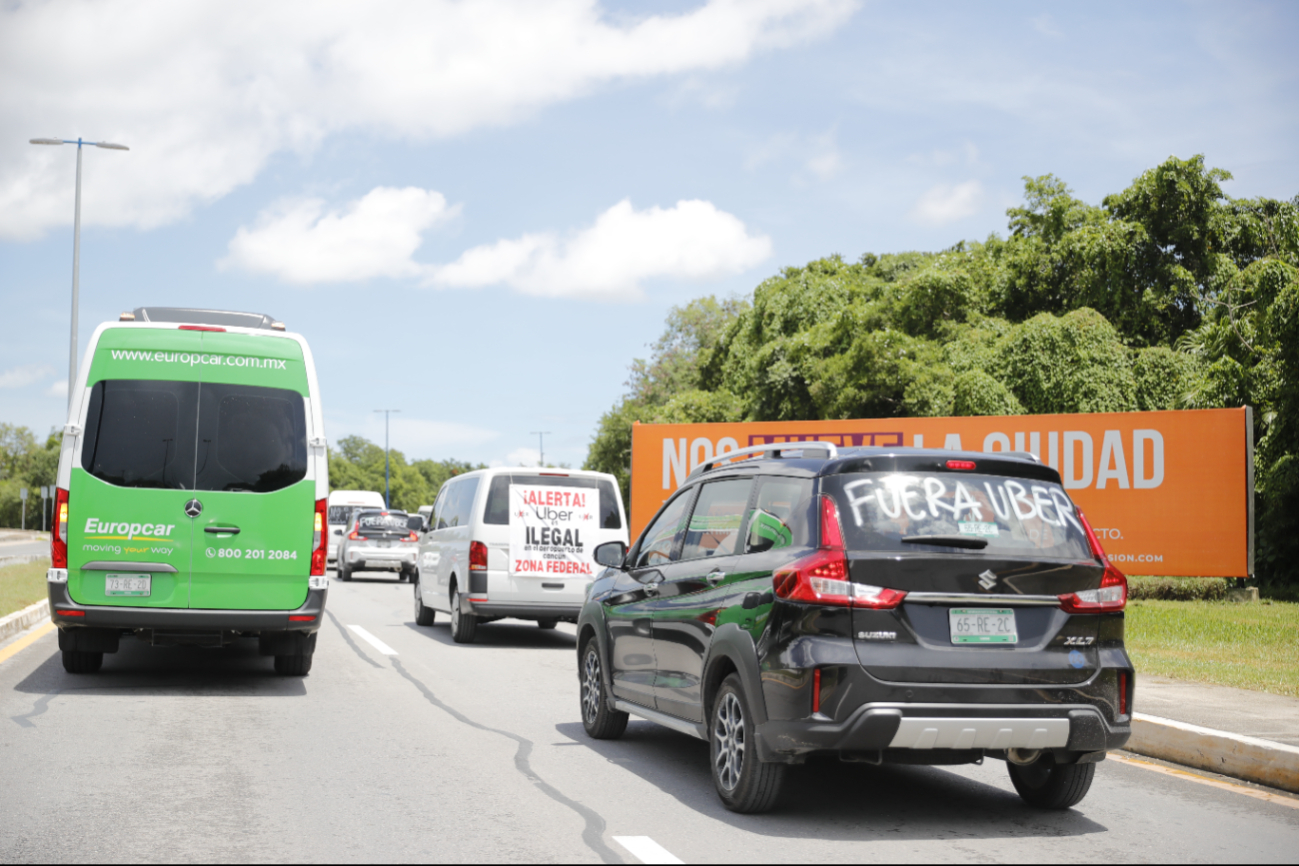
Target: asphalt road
{"points": [[476, 753], [23, 548]]}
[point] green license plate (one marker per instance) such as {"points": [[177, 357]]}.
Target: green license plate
{"points": [[983, 625], [134, 585]]}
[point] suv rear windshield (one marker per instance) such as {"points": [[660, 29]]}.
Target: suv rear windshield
{"points": [[498, 496], [195, 435], [382, 522], [1015, 516]]}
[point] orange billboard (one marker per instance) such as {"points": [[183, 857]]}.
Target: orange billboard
{"points": [[1168, 493]]}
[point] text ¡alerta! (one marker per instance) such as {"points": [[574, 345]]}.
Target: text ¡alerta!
{"points": [[95, 526], [559, 498]]}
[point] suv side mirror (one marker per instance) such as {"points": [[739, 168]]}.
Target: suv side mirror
{"points": [[611, 554]]}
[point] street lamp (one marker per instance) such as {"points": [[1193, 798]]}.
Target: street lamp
{"points": [[386, 502], [76, 249], [541, 445]]}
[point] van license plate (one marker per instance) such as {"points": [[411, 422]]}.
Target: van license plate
{"points": [[137, 585], [982, 625]]}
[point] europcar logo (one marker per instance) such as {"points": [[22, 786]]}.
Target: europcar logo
{"points": [[107, 531]]}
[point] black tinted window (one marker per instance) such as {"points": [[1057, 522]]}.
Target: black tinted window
{"points": [[381, 521], [497, 510], [250, 438], [140, 433]]}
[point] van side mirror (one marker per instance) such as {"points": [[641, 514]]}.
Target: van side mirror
{"points": [[611, 554]]}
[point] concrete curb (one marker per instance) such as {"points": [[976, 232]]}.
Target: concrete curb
{"points": [[19, 560], [24, 619], [1249, 758]]}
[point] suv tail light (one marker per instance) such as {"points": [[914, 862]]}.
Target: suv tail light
{"points": [[822, 577], [319, 540], [354, 535], [477, 556], [1111, 596], [411, 537], [59, 537]]}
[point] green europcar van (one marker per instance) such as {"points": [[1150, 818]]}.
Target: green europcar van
{"points": [[191, 490]]}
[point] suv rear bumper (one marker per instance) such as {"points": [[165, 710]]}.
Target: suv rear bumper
{"points": [[187, 619], [925, 727], [371, 556]]}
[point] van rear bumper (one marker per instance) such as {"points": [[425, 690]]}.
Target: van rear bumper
{"points": [[525, 610], [66, 613]]}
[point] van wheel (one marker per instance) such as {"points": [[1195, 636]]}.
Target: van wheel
{"points": [[600, 722], [744, 783], [78, 662], [344, 573], [293, 665], [463, 625], [423, 615], [1048, 785], [546, 624]]}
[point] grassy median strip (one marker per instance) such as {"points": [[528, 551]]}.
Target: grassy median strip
{"points": [[21, 585], [1249, 646]]}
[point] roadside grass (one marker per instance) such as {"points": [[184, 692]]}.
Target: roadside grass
{"points": [[1248, 646], [21, 585]]}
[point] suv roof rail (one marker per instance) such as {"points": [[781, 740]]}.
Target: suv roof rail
{"points": [[193, 316], [772, 451]]}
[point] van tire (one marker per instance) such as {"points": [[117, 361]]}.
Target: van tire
{"points": [[1048, 785], [79, 662], [463, 625], [297, 665], [423, 615], [344, 573], [547, 624]]}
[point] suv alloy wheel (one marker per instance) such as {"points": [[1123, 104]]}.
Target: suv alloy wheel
{"points": [[744, 783], [601, 722]]}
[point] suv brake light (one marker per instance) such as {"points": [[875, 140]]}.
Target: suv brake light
{"points": [[477, 556], [59, 537], [319, 541], [822, 577], [1111, 596], [411, 537], [355, 535]]}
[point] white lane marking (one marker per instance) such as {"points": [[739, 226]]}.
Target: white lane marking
{"points": [[373, 641], [646, 850]]}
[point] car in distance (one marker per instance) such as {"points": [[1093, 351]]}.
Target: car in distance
{"points": [[342, 505], [517, 543], [191, 495], [882, 605], [378, 540]]}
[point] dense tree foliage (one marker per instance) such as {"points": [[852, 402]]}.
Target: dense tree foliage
{"points": [[25, 461], [356, 463], [1168, 295]]}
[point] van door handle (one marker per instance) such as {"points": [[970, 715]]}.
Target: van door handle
{"points": [[715, 577], [224, 530]]}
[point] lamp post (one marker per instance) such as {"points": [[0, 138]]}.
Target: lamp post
{"points": [[387, 503], [541, 445], [76, 249]]}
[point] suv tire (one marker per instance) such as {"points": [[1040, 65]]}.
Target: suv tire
{"points": [[423, 615], [600, 721], [1048, 785], [744, 783], [463, 625], [296, 665], [78, 662], [344, 573]]}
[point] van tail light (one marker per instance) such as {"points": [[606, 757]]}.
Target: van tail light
{"points": [[477, 556], [822, 578], [1111, 596], [319, 540], [59, 537]]}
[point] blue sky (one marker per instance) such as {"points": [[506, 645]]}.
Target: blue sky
{"points": [[480, 212]]}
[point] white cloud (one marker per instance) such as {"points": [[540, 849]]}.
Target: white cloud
{"points": [[818, 154], [21, 377], [826, 160], [205, 92], [375, 236], [615, 255], [943, 204], [58, 389]]}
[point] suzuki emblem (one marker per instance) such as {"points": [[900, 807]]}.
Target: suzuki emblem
{"points": [[193, 508], [987, 580]]}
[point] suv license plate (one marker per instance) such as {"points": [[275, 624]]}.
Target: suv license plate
{"points": [[982, 625], [137, 585]]}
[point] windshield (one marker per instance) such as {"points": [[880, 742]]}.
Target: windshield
{"points": [[905, 511], [382, 522], [340, 514]]}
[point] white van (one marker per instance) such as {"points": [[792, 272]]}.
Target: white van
{"points": [[513, 542], [342, 505]]}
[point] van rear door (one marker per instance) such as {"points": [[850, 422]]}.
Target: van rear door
{"points": [[252, 540]]}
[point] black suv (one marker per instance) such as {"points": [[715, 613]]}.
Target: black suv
{"points": [[886, 605]]}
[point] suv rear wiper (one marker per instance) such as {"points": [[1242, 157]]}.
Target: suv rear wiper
{"points": [[947, 541]]}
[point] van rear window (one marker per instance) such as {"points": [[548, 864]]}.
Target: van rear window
{"points": [[195, 436], [918, 512], [497, 510]]}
